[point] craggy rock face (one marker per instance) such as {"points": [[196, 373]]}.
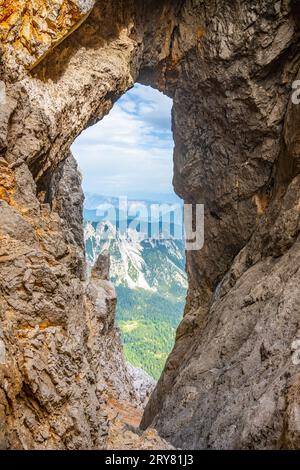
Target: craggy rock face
{"points": [[30, 29], [232, 380]]}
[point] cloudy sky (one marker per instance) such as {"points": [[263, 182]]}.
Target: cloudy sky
{"points": [[130, 151]]}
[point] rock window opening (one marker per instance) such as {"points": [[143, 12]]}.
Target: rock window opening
{"points": [[129, 155]]}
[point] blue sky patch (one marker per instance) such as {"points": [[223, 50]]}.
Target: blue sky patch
{"points": [[130, 152]]}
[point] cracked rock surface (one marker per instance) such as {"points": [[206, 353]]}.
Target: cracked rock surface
{"points": [[232, 379]]}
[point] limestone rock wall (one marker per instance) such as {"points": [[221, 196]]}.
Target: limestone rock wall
{"points": [[30, 29], [63, 379], [232, 380], [60, 354]]}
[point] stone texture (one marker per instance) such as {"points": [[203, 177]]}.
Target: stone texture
{"points": [[102, 266], [30, 29], [228, 381], [143, 383], [59, 348], [232, 380]]}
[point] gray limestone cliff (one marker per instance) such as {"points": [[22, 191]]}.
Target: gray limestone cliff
{"points": [[232, 380]]}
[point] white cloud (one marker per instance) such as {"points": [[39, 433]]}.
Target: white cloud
{"points": [[131, 148]]}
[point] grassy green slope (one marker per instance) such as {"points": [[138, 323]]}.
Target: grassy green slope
{"points": [[148, 323]]}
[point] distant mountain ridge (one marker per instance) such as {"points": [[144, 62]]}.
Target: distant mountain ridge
{"points": [[92, 200], [151, 285], [148, 264]]}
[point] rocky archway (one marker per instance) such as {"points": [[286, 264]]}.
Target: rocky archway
{"points": [[229, 69]]}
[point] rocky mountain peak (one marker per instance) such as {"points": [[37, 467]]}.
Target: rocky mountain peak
{"points": [[101, 267]]}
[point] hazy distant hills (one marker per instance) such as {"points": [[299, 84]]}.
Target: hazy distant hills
{"points": [[93, 200]]}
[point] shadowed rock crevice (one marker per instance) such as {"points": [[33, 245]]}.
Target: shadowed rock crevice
{"points": [[232, 379]]}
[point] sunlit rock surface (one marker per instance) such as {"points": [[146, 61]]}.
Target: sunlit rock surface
{"points": [[232, 380], [30, 29]]}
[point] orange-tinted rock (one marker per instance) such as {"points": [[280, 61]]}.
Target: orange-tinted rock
{"points": [[29, 29]]}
